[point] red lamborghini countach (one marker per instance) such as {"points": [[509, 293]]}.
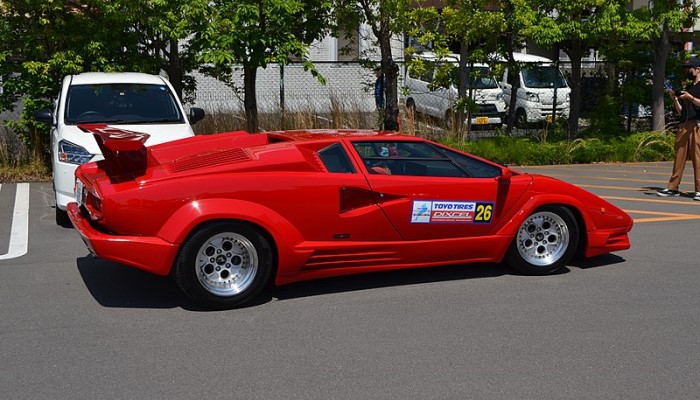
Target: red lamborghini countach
{"points": [[228, 214]]}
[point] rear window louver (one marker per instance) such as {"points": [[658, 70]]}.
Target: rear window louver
{"points": [[210, 159]]}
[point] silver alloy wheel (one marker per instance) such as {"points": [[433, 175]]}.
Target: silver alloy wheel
{"points": [[226, 264], [543, 238]]}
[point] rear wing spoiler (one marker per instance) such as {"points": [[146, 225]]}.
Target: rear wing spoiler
{"points": [[124, 151]]}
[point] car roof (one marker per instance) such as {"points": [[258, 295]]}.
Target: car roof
{"points": [[326, 134], [453, 58], [87, 78], [524, 57]]}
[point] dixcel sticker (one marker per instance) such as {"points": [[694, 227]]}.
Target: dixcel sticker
{"points": [[453, 212]]}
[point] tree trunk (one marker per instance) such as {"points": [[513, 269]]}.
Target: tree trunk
{"points": [[662, 47], [514, 82], [391, 73], [575, 97], [174, 68], [250, 102], [464, 80]]}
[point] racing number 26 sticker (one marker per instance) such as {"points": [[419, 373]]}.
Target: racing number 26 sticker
{"points": [[484, 213]]}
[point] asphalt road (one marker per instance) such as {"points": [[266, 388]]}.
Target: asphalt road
{"points": [[620, 326]]}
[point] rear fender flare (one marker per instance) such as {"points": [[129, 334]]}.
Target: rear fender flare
{"points": [[188, 217]]}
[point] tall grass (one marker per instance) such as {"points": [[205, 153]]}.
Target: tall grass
{"points": [[17, 163]]}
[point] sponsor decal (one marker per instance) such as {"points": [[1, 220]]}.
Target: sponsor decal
{"points": [[451, 212]]}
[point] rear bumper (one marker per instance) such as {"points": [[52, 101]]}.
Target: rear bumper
{"points": [[150, 254]]}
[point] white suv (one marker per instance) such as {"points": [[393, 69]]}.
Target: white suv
{"points": [[128, 100]]}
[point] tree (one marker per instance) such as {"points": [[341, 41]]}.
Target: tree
{"points": [[42, 41], [385, 18], [160, 30], [254, 33], [475, 26], [574, 26], [659, 23]]}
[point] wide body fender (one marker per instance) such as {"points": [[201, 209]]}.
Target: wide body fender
{"points": [[532, 203], [604, 224], [188, 217]]}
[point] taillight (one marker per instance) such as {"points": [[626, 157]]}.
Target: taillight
{"points": [[93, 204]]}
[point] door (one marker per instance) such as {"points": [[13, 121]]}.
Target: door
{"points": [[433, 192]]}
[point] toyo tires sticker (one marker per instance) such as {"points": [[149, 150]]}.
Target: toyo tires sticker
{"points": [[451, 212]]}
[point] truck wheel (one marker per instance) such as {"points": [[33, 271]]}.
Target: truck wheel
{"points": [[224, 265], [410, 107], [520, 118], [62, 217]]}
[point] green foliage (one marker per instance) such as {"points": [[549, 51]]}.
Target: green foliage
{"points": [[643, 146], [42, 41], [605, 120], [254, 33]]}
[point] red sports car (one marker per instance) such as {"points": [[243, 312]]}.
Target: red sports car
{"points": [[228, 214]]}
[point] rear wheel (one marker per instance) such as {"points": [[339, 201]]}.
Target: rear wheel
{"points": [[521, 118], [224, 265], [410, 107], [62, 217], [545, 241]]}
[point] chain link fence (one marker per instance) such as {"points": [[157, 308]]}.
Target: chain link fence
{"points": [[291, 98]]}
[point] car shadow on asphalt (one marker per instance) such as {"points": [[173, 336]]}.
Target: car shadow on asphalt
{"points": [[115, 285], [377, 280], [118, 286]]}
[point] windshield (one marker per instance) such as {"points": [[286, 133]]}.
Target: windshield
{"points": [[479, 78], [121, 103], [543, 77]]}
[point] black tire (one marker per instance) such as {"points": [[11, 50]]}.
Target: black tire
{"points": [[545, 241], [62, 217], [411, 107], [521, 119], [224, 264]]}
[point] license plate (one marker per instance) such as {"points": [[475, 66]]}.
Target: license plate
{"points": [[482, 120], [550, 118], [79, 192]]}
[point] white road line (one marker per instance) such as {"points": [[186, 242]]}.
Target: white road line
{"points": [[19, 235]]}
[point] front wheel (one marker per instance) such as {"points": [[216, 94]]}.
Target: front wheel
{"points": [[545, 241], [224, 265]]}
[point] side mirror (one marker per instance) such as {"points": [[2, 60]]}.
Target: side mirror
{"points": [[196, 114], [506, 174], [44, 115]]}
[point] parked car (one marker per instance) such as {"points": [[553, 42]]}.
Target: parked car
{"points": [[228, 214], [129, 100], [543, 93], [439, 101]]}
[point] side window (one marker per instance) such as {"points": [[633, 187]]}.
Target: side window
{"points": [[336, 160], [407, 159], [475, 168]]}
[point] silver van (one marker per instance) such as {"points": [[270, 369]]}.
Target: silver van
{"points": [[439, 101]]}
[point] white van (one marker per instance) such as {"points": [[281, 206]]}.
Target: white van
{"points": [[128, 100], [540, 83], [439, 102]]}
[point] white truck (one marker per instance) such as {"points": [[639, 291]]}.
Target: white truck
{"points": [[439, 101], [543, 92], [128, 100]]}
